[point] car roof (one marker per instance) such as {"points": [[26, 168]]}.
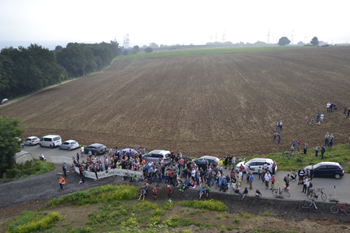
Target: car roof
{"points": [[32, 137], [160, 151], [70, 141], [96, 144], [327, 163], [261, 159], [208, 157], [51, 136]]}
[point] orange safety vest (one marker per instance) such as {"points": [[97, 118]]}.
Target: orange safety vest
{"points": [[62, 181]]}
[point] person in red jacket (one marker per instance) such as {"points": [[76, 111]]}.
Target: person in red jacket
{"points": [[154, 192], [170, 191]]}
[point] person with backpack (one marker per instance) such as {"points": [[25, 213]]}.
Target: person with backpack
{"points": [[286, 180], [301, 174]]}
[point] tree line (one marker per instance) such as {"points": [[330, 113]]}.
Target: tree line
{"points": [[24, 70]]}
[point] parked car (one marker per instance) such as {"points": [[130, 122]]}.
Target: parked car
{"points": [[69, 145], [327, 169], [126, 150], [255, 164], [4, 101], [96, 149], [201, 161], [50, 141], [31, 141], [154, 156]]}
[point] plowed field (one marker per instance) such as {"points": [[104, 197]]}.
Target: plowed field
{"points": [[217, 105]]}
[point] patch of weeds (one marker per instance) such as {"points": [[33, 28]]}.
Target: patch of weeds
{"points": [[168, 205], [143, 219], [186, 222], [172, 221], [207, 204], [186, 231], [153, 221], [227, 215], [222, 229], [124, 212], [257, 230], [182, 211], [265, 213], [218, 216], [158, 212], [237, 220], [230, 228], [207, 225], [245, 214]]}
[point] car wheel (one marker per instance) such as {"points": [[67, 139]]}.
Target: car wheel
{"points": [[51, 146], [69, 149], [337, 176], [41, 145]]}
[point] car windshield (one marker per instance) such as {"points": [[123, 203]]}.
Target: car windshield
{"points": [[317, 165]]}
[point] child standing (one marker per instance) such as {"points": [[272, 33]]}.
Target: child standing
{"points": [[259, 172], [306, 120], [322, 116], [170, 191]]}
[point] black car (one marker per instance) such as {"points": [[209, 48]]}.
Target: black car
{"points": [[96, 149], [327, 169], [211, 160]]}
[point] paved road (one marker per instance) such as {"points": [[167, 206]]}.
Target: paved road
{"points": [[342, 185]]}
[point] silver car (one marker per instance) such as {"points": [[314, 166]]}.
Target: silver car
{"points": [[155, 155], [69, 145], [32, 140]]}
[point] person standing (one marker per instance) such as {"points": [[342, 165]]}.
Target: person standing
{"points": [[78, 158], [62, 183], [328, 107], [306, 120], [326, 139], [274, 137], [267, 179], [229, 161], [305, 183], [251, 179], [305, 148], [318, 117], [287, 180], [273, 180], [154, 192], [281, 124], [323, 149], [345, 110], [292, 145], [279, 138], [312, 172], [322, 116], [274, 165], [64, 168], [170, 191], [299, 144], [277, 126], [82, 151], [316, 150], [331, 139]]}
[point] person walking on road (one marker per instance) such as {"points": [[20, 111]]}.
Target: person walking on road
{"points": [[267, 179], [287, 180], [82, 151], [64, 169], [305, 183], [305, 148], [323, 149], [274, 165], [62, 183]]}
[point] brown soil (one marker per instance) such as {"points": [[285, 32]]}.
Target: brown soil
{"points": [[199, 105]]}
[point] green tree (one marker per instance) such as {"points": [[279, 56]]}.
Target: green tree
{"points": [[148, 50], [125, 52], [314, 41], [283, 41], [9, 145], [135, 49]]}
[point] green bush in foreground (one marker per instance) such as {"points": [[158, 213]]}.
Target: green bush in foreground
{"points": [[36, 224], [29, 169], [100, 194], [210, 205]]}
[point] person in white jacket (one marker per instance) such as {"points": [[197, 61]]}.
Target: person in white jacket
{"points": [[267, 179]]}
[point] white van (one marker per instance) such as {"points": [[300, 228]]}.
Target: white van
{"points": [[50, 141]]}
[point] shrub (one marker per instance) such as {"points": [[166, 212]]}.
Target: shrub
{"points": [[265, 213], [218, 216], [36, 224], [210, 205], [222, 229], [143, 206], [237, 219], [172, 221], [29, 169], [157, 212], [105, 193], [168, 205]]}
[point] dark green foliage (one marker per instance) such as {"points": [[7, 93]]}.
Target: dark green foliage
{"points": [[29, 169], [314, 41], [148, 50], [283, 41], [9, 145]]}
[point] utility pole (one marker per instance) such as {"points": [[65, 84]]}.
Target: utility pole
{"points": [[292, 37], [216, 36], [224, 37], [268, 37], [305, 39]]}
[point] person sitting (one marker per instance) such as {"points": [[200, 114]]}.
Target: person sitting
{"points": [[185, 186], [312, 121], [244, 192], [201, 192], [223, 186], [258, 193]]}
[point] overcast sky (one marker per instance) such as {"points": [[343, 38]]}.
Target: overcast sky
{"points": [[51, 22]]}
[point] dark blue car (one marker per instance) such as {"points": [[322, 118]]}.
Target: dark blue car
{"points": [[327, 169]]}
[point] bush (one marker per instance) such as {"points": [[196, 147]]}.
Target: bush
{"points": [[157, 212], [168, 205], [36, 224], [210, 205], [29, 169], [100, 194], [172, 221], [237, 219]]}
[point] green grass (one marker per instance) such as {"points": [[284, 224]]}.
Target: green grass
{"points": [[338, 153], [201, 52], [207, 204], [29, 169]]}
